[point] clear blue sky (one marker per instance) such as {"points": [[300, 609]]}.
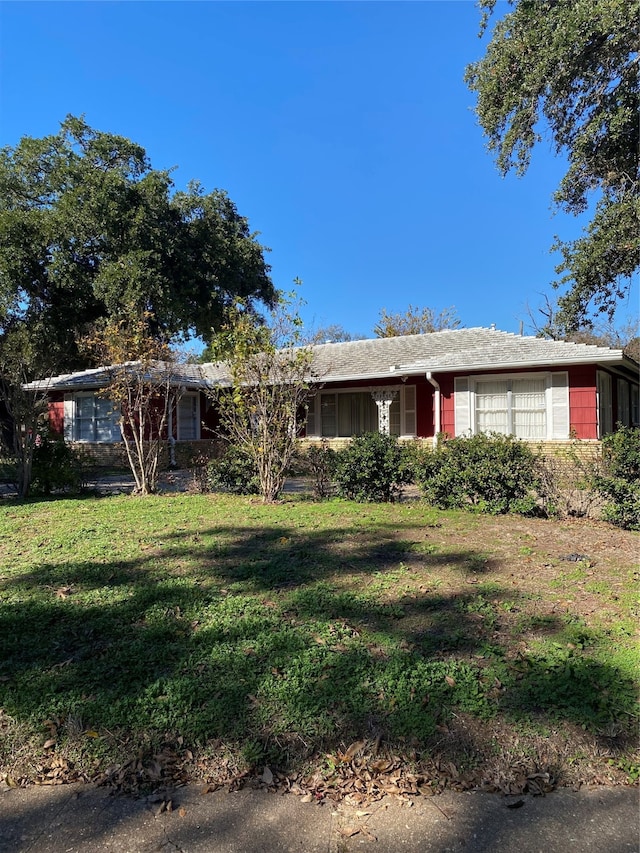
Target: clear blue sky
{"points": [[343, 131]]}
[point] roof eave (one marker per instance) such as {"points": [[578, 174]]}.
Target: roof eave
{"points": [[508, 365]]}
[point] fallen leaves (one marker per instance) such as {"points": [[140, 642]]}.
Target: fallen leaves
{"points": [[359, 775], [172, 765], [521, 779]]}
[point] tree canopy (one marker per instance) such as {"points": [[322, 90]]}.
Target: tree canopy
{"points": [[568, 70], [90, 232], [415, 321], [333, 333]]}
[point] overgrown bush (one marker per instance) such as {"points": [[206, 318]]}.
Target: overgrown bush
{"points": [[235, 472], [373, 467], [565, 481], [318, 461], [488, 473], [57, 467], [619, 483], [413, 456]]}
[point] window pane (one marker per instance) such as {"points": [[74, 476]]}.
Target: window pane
{"points": [[491, 406], [85, 430], [529, 424], [624, 412], [103, 407], [357, 414], [528, 405], [85, 406], [103, 430], [328, 414]]}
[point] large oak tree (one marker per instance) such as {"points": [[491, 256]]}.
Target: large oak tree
{"points": [[567, 70], [90, 232]]}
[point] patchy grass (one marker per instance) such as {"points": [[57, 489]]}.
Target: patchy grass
{"points": [[202, 636]]}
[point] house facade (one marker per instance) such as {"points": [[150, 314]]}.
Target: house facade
{"points": [[457, 382], [465, 381]]}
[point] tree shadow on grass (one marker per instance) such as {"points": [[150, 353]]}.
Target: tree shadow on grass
{"points": [[247, 638]]}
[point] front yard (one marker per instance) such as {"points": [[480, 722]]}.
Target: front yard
{"points": [[334, 648]]}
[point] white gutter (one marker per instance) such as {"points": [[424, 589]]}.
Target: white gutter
{"points": [[437, 413]]}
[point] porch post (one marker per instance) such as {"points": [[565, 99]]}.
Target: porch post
{"points": [[383, 398]]}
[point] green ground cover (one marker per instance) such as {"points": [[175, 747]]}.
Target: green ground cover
{"points": [[206, 635]]}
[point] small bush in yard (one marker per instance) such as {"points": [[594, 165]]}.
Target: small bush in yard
{"points": [[319, 461], [490, 473], [620, 481], [56, 467], [234, 472], [372, 468]]}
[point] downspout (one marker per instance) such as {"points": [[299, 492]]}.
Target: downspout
{"points": [[437, 412]]}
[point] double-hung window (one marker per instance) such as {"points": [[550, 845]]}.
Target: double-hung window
{"points": [[91, 418], [511, 407], [531, 407]]}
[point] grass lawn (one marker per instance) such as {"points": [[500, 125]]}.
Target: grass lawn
{"points": [[343, 647]]}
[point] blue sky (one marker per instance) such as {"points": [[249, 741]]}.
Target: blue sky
{"points": [[342, 130]]}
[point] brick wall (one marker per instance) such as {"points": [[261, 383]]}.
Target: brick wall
{"points": [[114, 455]]}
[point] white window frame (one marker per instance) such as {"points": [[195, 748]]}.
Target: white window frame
{"points": [[556, 409], [72, 420], [196, 415], [406, 415]]}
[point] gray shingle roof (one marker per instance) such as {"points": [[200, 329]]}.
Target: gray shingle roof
{"points": [[189, 375], [451, 350], [378, 358]]}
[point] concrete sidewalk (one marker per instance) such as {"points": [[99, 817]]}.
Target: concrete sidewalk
{"points": [[85, 819]]}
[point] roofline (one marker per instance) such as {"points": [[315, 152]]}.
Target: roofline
{"points": [[616, 357], [417, 369], [602, 356]]}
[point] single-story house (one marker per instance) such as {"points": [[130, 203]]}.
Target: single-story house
{"points": [[457, 382]]}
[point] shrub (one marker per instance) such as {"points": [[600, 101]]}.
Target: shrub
{"points": [[234, 472], [373, 467], [319, 462], [619, 483], [489, 473], [57, 467], [565, 482]]}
